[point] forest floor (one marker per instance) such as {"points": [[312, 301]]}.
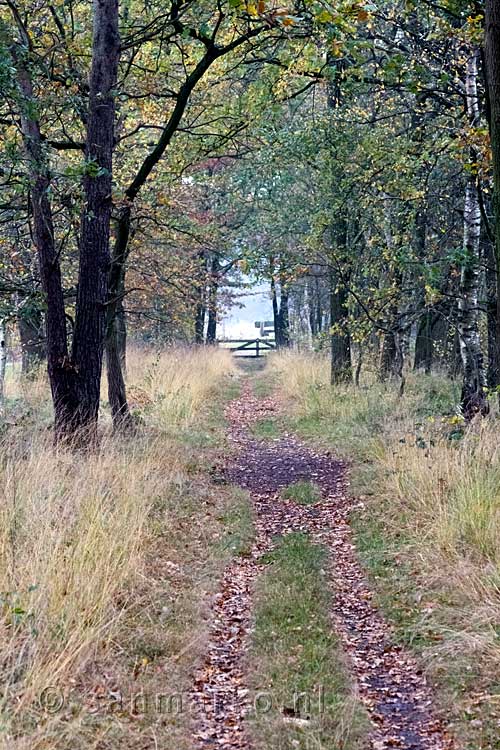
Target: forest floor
{"points": [[316, 668]]}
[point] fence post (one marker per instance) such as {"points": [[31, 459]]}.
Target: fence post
{"points": [[257, 342]]}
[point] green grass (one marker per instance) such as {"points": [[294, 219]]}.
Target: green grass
{"points": [[265, 429], [303, 492], [238, 525], [264, 383], [295, 659]]}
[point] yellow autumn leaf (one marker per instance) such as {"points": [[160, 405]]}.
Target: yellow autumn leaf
{"points": [[324, 17], [336, 47]]}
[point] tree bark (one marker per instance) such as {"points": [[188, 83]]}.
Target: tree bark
{"points": [[388, 352], [212, 300], [3, 362], [61, 371], [283, 316], [340, 340], [473, 399], [493, 375], [280, 309], [424, 345], [492, 70], [115, 325], [276, 312], [94, 268], [200, 292], [32, 339]]}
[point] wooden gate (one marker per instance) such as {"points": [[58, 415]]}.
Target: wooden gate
{"points": [[248, 347]]}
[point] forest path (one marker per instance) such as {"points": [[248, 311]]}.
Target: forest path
{"points": [[387, 679]]}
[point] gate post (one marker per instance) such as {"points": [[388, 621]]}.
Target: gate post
{"points": [[257, 343]]}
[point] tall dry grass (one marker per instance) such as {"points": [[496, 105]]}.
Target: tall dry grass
{"points": [[448, 476], [75, 528], [432, 523]]}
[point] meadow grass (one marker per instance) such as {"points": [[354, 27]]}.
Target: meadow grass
{"points": [[107, 557], [428, 531], [302, 492]]}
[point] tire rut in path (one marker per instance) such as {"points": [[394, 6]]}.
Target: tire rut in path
{"points": [[388, 681]]}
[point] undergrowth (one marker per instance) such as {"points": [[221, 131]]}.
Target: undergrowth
{"points": [[107, 557], [429, 529]]}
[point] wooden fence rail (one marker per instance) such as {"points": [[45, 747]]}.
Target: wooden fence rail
{"points": [[254, 347]]}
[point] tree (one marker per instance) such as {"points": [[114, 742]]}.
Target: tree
{"points": [[492, 70], [474, 398], [75, 377]]}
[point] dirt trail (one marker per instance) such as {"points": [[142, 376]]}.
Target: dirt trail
{"points": [[389, 683]]}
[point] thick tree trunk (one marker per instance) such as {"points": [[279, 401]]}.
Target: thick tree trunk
{"points": [[61, 371], [340, 341], [492, 69], [92, 295], [32, 339], [493, 373], [473, 399]]}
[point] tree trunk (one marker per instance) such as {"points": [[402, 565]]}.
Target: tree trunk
{"points": [[424, 346], [492, 70], [32, 339], [61, 371], [115, 325], [488, 250], [94, 269], [276, 313], [3, 362], [359, 365], [312, 300], [201, 310], [212, 300], [423, 343], [199, 323], [283, 317], [388, 352], [340, 341], [319, 310], [473, 399]]}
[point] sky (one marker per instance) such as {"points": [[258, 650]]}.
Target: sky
{"points": [[239, 323]]}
